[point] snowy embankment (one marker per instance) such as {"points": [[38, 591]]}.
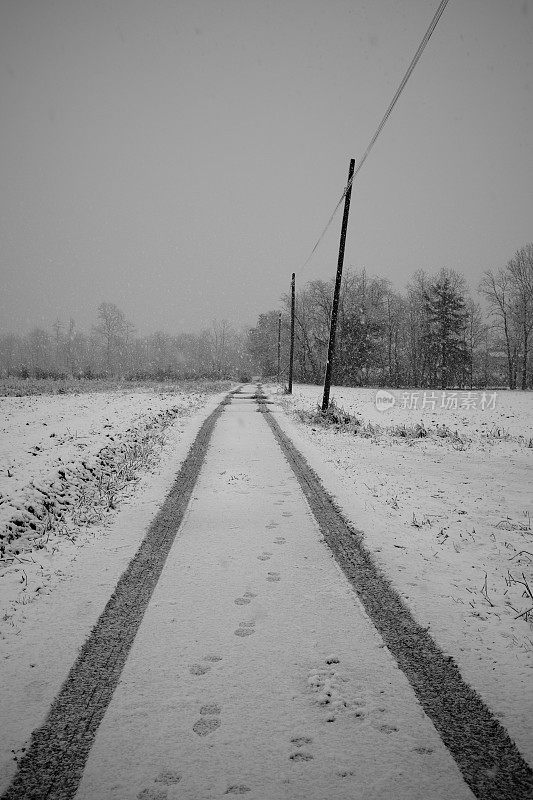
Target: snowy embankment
{"points": [[443, 497], [66, 463], [66, 460]]}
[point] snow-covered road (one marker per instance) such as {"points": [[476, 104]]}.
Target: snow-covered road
{"points": [[255, 669]]}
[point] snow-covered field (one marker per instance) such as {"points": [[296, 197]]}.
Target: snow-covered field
{"points": [[66, 459], [443, 496], [66, 463]]}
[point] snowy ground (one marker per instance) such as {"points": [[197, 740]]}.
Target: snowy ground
{"points": [[65, 459], [234, 695], [255, 670], [447, 515], [54, 587]]}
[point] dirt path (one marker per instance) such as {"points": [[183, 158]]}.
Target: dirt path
{"points": [[235, 658]]}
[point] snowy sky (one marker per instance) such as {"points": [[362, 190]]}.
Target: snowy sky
{"points": [[181, 157]]}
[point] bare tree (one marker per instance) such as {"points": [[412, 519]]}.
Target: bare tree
{"points": [[420, 368], [10, 354], [69, 346], [220, 331], [497, 288], [114, 331], [520, 270], [58, 341], [39, 352], [394, 314], [474, 336]]}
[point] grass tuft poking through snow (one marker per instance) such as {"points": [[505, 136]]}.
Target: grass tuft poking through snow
{"points": [[342, 421], [69, 459], [81, 494]]}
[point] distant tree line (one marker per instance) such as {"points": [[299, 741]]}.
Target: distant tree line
{"points": [[112, 349], [434, 334]]}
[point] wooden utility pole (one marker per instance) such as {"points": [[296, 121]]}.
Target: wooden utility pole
{"points": [[336, 293], [293, 302], [279, 347]]}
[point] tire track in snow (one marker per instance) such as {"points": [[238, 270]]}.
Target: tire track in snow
{"points": [[53, 765], [489, 760]]}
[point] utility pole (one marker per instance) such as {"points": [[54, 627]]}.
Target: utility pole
{"points": [[291, 359], [279, 347], [336, 293]]}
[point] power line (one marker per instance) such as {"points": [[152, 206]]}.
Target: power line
{"points": [[412, 65]]}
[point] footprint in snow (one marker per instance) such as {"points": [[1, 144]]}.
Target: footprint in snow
{"points": [[245, 629], [264, 556], [326, 682], [279, 540], [249, 594], [210, 709], [209, 721], [238, 789], [212, 657], [423, 750], [168, 777], [388, 728], [299, 741], [286, 514], [152, 794], [272, 525], [242, 601], [301, 755], [206, 725], [273, 577], [199, 669]]}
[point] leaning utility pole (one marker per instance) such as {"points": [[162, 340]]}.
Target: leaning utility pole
{"points": [[291, 358], [336, 293], [279, 346]]}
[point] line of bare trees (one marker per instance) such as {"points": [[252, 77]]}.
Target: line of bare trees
{"points": [[434, 334], [112, 349]]}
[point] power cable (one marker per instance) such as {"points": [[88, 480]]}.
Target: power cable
{"points": [[412, 65]]}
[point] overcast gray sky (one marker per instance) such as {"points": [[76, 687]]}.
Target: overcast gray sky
{"points": [[180, 157]]}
